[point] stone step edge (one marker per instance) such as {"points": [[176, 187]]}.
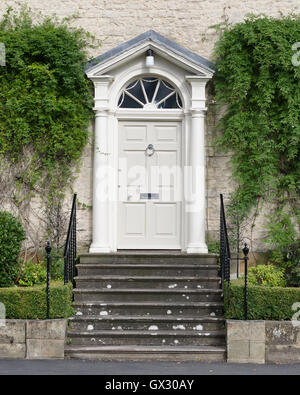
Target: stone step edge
{"points": [[147, 278], [149, 254], [149, 304], [141, 333], [148, 290], [158, 318], [146, 349], [146, 266]]}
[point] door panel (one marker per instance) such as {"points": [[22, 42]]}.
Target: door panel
{"points": [[149, 208], [135, 214], [165, 219]]}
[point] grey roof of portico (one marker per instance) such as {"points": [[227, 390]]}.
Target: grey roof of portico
{"points": [[151, 35]]}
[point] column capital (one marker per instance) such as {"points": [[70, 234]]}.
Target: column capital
{"points": [[102, 86], [198, 94], [197, 79], [101, 111], [101, 79], [198, 112]]}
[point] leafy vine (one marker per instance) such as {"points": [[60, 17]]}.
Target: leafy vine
{"points": [[45, 110], [260, 85]]}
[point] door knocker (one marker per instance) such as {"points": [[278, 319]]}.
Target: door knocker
{"points": [[150, 150]]}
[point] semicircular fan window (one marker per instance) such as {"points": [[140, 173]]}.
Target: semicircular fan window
{"points": [[149, 93]]}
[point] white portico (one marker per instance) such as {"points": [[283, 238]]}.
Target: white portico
{"points": [[149, 155]]}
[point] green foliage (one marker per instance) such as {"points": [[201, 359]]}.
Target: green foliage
{"points": [[264, 303], [35, 273], [260, 86], [266, 275], [32, 274], [45, 103], [12, 235], [30, 303], [284, 241], [214, 247], [56, 265]]}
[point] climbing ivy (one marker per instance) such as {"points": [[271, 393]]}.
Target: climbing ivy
{"points": [[258, 78], [45, 105]]}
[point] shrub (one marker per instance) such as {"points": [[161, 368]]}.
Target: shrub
{"points": [[35, 273], [30, 303], [285, 243], [32, 274], [267, 276], [264, 303], [56, 265], [12, 235]]}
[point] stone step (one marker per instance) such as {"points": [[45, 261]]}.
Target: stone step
{"points": [[200, 309], [135, 269], [124, 282], [142, 323], [138, 353], [147, 295], [146, 338], [158, 257], [147, 305]]}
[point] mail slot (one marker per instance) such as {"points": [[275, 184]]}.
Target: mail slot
{"points": [[149, 196]]}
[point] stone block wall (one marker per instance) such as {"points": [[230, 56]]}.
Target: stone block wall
{"points": [[13, 339], [246, 341], [282, 342], [188, 23], [33, 339], [263, 341]]}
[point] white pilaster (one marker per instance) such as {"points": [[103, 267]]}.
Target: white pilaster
{"points": [[101, 203], [196, 200]]}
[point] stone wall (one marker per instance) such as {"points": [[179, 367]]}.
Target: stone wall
{"points": [[263, 341], [188, 23], [246, 341], [282, 342], [33, 339]]}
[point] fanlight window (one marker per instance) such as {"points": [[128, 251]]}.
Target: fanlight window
{"points": [[149, 93]]}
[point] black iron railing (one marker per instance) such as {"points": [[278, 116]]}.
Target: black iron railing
{"points": [[225, 256], [71, 246], [48, 259], [224, 245]]}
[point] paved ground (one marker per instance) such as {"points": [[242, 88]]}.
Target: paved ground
{"points": [[78, 367]]}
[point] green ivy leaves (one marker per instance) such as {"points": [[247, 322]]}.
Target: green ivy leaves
{"points": [[12, 235], [261, 87], [45, 99]]}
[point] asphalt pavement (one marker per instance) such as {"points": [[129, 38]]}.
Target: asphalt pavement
{"points": [[152, 368]]}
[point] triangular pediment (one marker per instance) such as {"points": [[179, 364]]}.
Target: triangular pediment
{"points": [[161, 45]]}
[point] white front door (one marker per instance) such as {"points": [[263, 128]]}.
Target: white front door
{"points": [[150, 184]]}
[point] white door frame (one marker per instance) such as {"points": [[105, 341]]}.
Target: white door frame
{"points": [[107, 116]]}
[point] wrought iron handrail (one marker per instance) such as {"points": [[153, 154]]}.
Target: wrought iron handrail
{"points": [[224, 245], [71, 246], [225, 256]]}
